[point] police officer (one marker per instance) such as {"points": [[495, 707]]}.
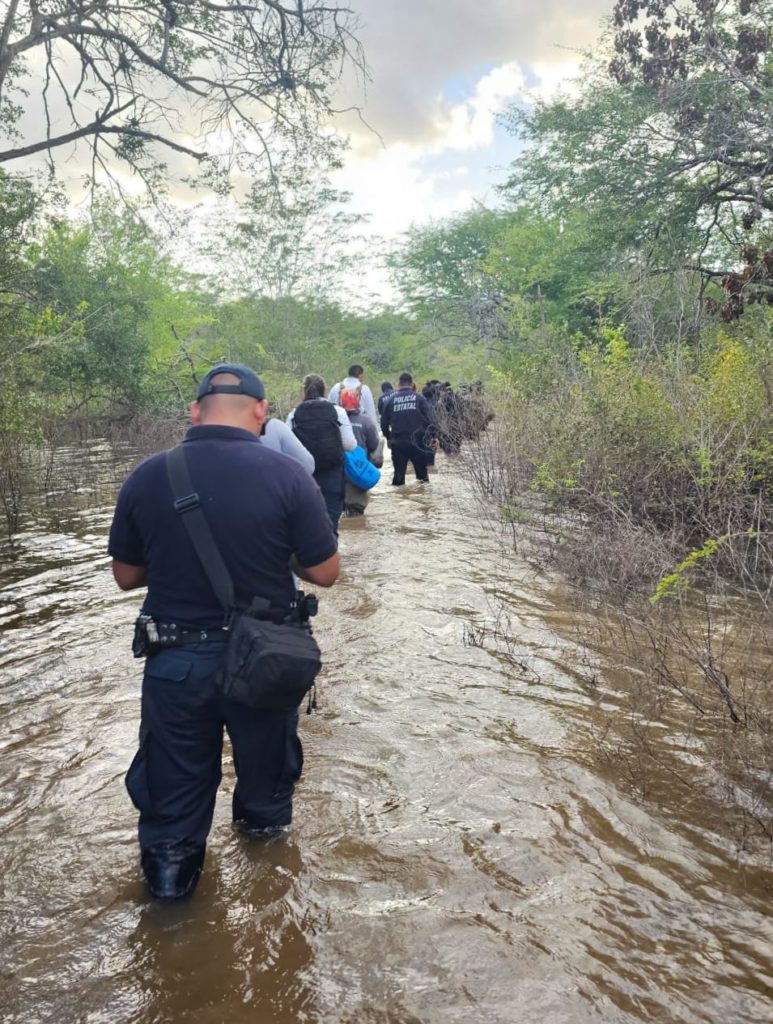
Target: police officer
{"points": [[386, 391], [267, 517], [408, 425]]}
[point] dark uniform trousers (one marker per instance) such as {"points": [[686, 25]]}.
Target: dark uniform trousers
{"points": [[331, 483], [403, 452], [175, 774]]}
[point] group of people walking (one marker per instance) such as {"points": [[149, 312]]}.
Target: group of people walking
{"points": [[325, 425], [222, 529]]}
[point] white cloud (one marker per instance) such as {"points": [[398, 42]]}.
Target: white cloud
{"points": [[413, 49], [470, 124], [554, 78], [412, 181], [395, 191], [405, 183]]}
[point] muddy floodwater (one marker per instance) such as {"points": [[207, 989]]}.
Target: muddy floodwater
{"points": [[456, 858]]}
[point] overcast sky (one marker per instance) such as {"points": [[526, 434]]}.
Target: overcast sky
{"points": [[442, 70]]}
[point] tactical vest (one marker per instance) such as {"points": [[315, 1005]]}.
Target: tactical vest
{"points": [[315, 424]]}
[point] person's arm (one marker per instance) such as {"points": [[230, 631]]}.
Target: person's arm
{"points": [[428, 414], [332, 395], [347, 434], [371, 437], [125, 545], [314, 545], [368, 405], [129, 577], [290, 445], [323, 575], [386, 416]]}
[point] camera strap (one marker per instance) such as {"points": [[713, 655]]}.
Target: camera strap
{"points": [[188, 505]]}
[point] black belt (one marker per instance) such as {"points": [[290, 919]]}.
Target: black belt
{"points": [[172, 635]]}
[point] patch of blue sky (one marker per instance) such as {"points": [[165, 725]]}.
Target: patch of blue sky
{"points": [[462, 87], [476, 172], [530, 77]]}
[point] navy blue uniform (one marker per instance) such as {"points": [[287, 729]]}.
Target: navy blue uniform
{"points": [[408, 424], [383, 398], [262, 508]]}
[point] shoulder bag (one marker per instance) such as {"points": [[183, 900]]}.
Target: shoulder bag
{"points": [[271, 659]]}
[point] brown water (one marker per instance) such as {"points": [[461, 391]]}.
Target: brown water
{"points": [[455, 855]]}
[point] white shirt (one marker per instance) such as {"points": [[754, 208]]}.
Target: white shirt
{"points": [[367, 405], [278, 436], [347, 434]]}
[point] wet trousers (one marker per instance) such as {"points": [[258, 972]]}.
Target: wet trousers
{"points": [[331, 483], [355, 499], [175, 774], [404, 452]]}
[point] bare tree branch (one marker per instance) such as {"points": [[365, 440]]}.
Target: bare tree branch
{"points": [[257, 76]]}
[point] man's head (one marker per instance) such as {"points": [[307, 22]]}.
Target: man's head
{"points": [[386, 386], [355, 370], [313, 386], [405, 380], [230, 395]]}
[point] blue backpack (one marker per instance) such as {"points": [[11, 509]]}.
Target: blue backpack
{"points": [[359, 470]]}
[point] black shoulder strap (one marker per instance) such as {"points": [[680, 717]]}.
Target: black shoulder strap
{"points": [[188, 505]]}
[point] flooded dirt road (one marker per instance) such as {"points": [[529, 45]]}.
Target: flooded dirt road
{"points": [[455, 857]]}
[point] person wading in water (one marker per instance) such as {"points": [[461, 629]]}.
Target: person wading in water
{"points": [[407, 423], [367, 436], [267, 518], [325, 431]]}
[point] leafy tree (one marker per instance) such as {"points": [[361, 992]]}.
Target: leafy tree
{"points": [[446, 260], [441, 271], [511, 279], [97, 282], [712, 63], [290, 238], [177, 334], [172, 78], [667, 143]]}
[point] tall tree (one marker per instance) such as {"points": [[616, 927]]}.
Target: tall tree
{"points": [[668, 142], [290, 238], [99, 281], [212, 84], [441, 271]]}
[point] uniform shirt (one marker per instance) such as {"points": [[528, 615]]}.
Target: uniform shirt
{"points": [[262, 508], [347, 435], [367, 405], [278, 436], [382, 398], [407, 417]]}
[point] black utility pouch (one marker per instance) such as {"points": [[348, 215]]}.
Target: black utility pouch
{"points": [[270, 666]]}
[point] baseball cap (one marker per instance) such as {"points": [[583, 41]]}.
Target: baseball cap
{"points": [[249, 382]]}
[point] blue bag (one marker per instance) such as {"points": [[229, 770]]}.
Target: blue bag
{"points": [[359, 470]]}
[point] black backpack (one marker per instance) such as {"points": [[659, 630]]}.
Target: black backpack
{"points": [[315, 424]]}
